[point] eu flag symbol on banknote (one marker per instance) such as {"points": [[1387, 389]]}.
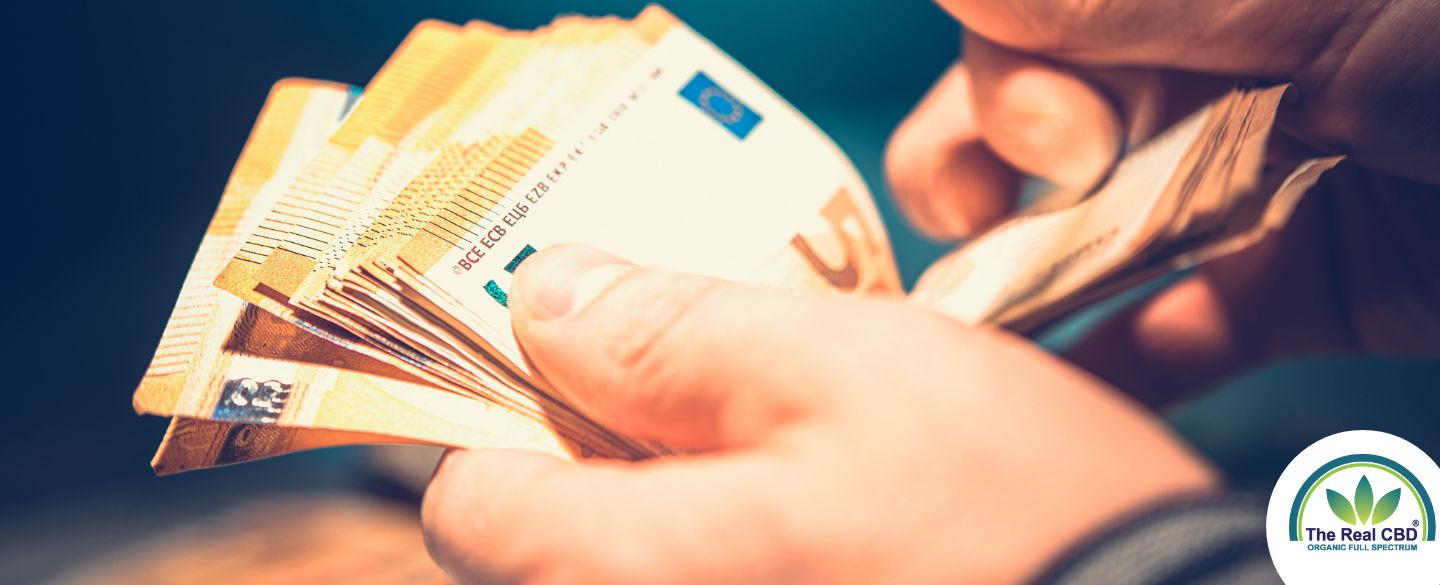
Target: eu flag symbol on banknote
{"points": [[707, 95]]}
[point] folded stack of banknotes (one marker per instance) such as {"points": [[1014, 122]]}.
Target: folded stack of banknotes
{"points": [[352, 285]]}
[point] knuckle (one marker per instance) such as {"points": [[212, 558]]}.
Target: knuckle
{"points": [[438, 529], [432, 516], [449, 531], [1064, 29], [466, 554], [916, 178], [1059, 27], [902, 155]]}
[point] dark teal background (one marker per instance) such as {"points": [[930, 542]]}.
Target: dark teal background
{"points": [[126, 118]]}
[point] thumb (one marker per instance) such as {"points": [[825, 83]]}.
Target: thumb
{"points": [[687, 361], [1237, 38]]}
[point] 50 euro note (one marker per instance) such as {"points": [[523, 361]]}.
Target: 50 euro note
{"points": [[257, 385], [665, 138], [495, 86], [644, 165], [296, 117], [591, 46], [361, 136], [1201, 189], [244, 384], [433, 92], [541, 96], [685, 161], [485, 199], [660, 164]]}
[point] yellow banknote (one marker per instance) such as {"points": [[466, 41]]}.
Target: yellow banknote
{"points": [[354, 285]]}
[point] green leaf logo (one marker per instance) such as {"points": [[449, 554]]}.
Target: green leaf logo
{"points": [[1365, 509], [1386, 506], [1341, 507], [1364, 500]]}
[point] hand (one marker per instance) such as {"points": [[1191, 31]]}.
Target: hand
{"points": [[829, 439], [1056, 87]]}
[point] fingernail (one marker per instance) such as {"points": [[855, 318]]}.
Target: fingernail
{"points": [[562, 280]]}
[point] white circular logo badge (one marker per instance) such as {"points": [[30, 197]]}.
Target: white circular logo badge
{"points": [[1356, 507]]}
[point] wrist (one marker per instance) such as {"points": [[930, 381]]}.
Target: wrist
{"points": [[1217, 538]]}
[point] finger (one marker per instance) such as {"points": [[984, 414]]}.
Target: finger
{"points": [[1068, 123], [461, 511], [1239, 38], [944, 178], [659, 356], [1275, 299], [1042, 118], [1170, 346], [510, 516]]}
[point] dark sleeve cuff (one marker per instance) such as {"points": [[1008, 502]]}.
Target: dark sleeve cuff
{"points": [[1202, 542]]}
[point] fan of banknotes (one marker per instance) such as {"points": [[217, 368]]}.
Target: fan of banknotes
{"points": [[352, 284]]}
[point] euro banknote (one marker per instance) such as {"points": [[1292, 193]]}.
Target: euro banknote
{"points": [[353, 286]]}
